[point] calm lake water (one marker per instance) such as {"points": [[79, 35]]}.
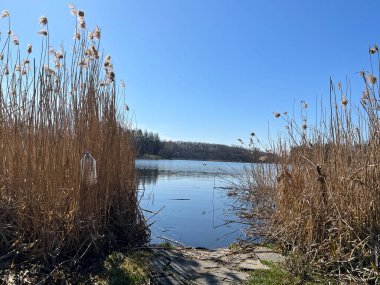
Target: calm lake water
{"points": [[192, 205]]}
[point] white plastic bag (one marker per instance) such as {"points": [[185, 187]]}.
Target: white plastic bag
{"points": [[88, 169]]}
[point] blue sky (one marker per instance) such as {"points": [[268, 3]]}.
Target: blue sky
{"points": [[215, 70]]}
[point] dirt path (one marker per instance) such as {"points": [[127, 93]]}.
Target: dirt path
{"points": [[206, 267]]}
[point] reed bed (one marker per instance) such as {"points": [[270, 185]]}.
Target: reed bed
{"points": [[322, 201], [54, 107]]}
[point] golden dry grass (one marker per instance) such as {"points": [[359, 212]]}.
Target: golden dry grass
{"points": [[53, 107], [325, 199]]}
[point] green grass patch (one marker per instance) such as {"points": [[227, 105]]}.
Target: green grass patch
{"points": [[131, 269], [278, 275]]}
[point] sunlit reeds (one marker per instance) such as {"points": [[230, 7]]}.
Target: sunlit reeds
{"points": [[326, 197], [54, 106]]}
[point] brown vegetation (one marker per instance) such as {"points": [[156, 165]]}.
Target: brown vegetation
{"points": [[323, 197], [53, 108]]}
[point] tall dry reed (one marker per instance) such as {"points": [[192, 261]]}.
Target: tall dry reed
{"points": [[54, 106], [326, 191]]}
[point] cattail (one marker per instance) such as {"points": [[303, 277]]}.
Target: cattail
{"points": [[82, 24], [107, 61], [111, 76], [15, 40], [277, 115], [29, 48], [371, 79], [344, 101], [374, 49], [94, 51], [59, 55], [97, 33], [43, 33], [4, 14], [80, 14], [43, 21], [76, 36]]}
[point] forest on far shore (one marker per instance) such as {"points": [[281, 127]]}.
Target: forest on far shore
{"points": [[149, 143]]}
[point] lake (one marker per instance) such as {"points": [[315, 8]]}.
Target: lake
{"points": [[191, 201]]}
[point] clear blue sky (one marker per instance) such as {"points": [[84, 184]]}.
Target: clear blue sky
{"points": [[215, 70]]}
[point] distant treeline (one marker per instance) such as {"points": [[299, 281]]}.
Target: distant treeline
{"points": [[148, 143]]}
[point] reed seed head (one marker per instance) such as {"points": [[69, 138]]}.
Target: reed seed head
{"points": [[344, 101], [371, 79], [16, 42], [4, 14], [304, 126], [43, 21], [1, 56], [111, 76], [59, 55], [97, 33], [80, 14], [29, 48], [277, 115], [91, 35], [6, 71], [373, 49], [126, 107], [76, 36], [82, 23], [43, 33]]}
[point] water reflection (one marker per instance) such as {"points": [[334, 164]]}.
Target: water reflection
{"points": [[185, 201]]}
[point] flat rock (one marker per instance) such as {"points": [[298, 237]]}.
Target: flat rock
{"points": [[205, 267], [252, 265]]}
